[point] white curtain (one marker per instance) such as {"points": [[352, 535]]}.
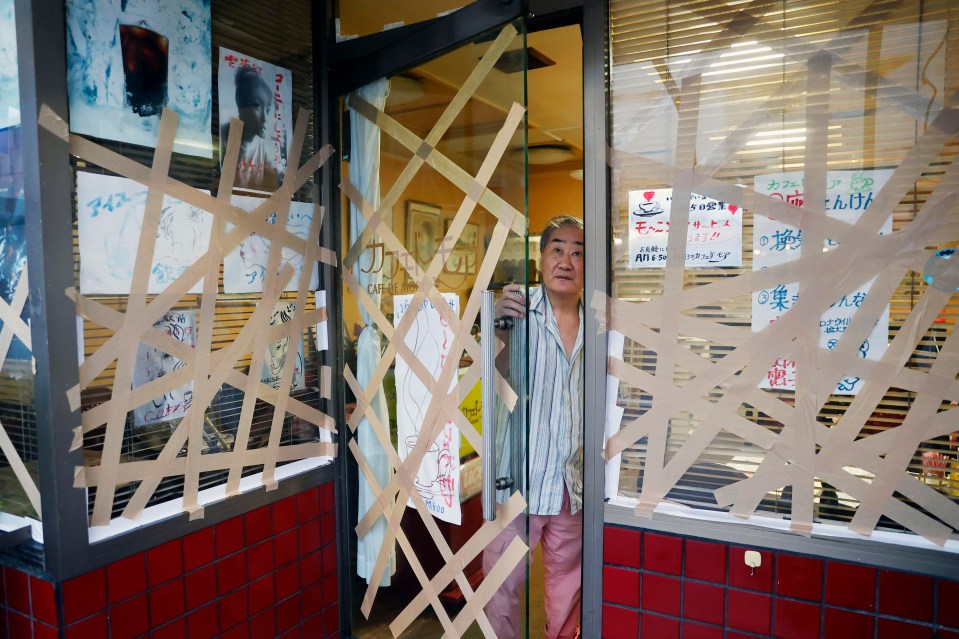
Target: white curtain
{"points": [[365, 176]]}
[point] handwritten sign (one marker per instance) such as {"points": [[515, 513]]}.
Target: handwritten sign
{"points": [[848, 195], [714, 235], [278, 351], [430, 338], [110, 218], [152, 364], [244, 268]]}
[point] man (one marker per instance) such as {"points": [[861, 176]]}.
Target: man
{"points": [[555, 452]]}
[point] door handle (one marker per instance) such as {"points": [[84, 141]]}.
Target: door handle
{"points": [[488, 381]]}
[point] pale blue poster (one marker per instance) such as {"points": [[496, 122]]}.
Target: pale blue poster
{"points": [[9, 81], [128, 59], [109, 221]]}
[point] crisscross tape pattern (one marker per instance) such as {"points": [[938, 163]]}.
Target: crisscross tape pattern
{"points": [[206, 367], [715, 390], [391, 499]]}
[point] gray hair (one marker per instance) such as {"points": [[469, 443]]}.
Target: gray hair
{"points": [[558, 222]]}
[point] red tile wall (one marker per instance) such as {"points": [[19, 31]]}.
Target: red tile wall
{"points": [[270, 573], [658, 586]]}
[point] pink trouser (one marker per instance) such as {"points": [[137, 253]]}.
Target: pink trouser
{"points": [[562, 538]]}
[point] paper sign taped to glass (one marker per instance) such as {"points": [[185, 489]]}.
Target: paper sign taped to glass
{"points": [[244, 268], [127, 61], [153, 364], [260, 94], [430, 338], [109, 219], [848, 195], [714, 237], [278, 351]]}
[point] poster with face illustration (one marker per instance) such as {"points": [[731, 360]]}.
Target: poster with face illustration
{"points": [[278, 351], [127, 60], [430, 338], [260, 95], [244, 268], [714, 234], [110, 218], [153, 364]]}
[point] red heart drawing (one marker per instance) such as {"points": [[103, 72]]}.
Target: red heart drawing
{"points": [[649, 195], [733, 208]]}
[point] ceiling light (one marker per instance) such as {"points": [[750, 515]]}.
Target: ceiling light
{"points": [[546, 154]]}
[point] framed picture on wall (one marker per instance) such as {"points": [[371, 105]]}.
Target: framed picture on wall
{"points": [[422, 231], [465, 254]]}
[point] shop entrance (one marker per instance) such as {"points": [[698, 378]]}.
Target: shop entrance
{"points": [[448, 181]]}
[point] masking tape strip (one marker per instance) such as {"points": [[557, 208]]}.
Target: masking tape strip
{"points": [[675, 274], [594, 303], [116, 420], [446, 167], [110, 318], [49, 120], [848, 239], [432, 593], [231, 353], [399, 250], [505, 515], [13, 324], [244, 224], [800, 434], [905, 442], [507, 563], [242, 436], [193, 422], [326, 382], [431, 424], [20, 470], [295, 328], [156, 180], [459, 101], [130, 471]]}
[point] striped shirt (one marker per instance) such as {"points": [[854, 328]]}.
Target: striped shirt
{"points": [[555, 444]]}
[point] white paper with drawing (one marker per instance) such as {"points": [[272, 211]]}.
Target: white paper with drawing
{"points": [[278, 351], [438, 479], [848, 195], [109, 218], [244, 268], [152, 364]]}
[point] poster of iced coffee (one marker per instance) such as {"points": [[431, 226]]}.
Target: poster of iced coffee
{"points": [[127, 61], [259, 95]]}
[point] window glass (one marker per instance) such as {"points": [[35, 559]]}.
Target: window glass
{"points": [[203, 318], [364, 17], [794, 364], [19, 462]]}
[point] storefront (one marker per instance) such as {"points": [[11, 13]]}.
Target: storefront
{"points": [[264, 234]]}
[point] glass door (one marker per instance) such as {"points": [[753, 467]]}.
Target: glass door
{"points": [[434, 196]]}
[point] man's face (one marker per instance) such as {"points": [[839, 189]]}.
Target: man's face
{"points": [[562, 261]]}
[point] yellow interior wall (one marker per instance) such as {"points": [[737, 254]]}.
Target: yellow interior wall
{"points": [[552, 194]]}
